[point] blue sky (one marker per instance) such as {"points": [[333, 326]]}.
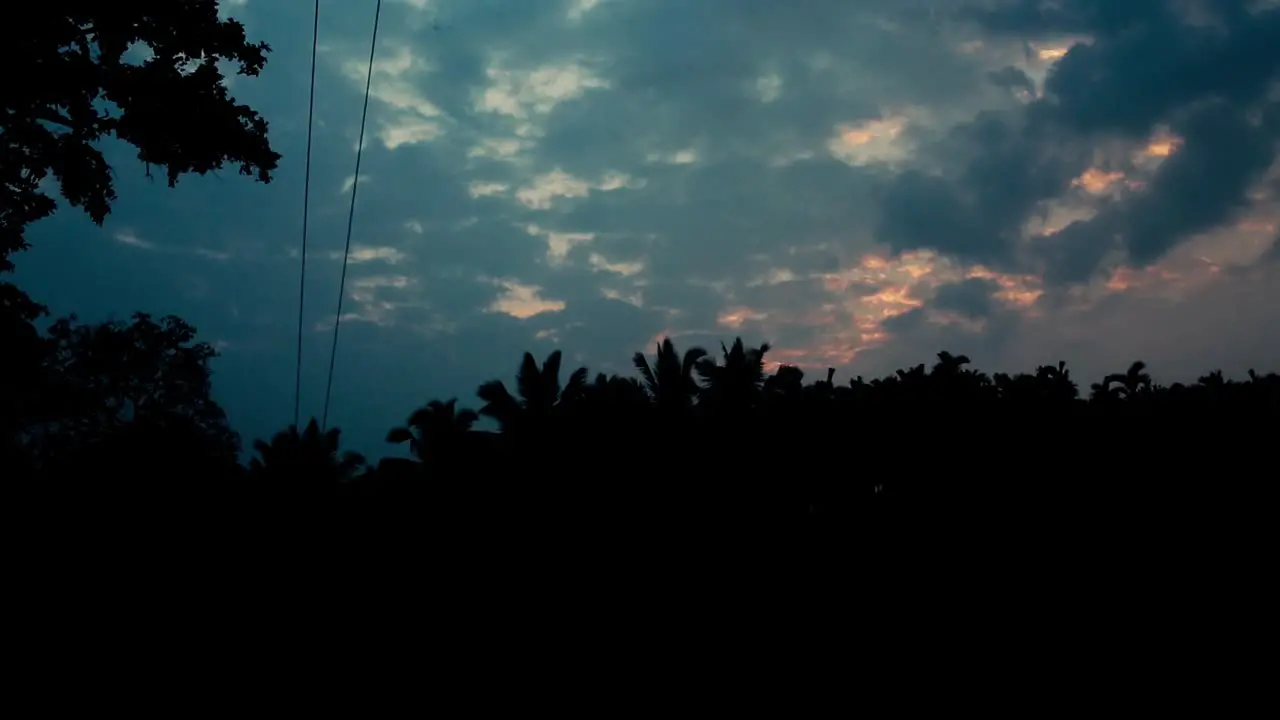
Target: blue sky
{"points": [[859, 182]]}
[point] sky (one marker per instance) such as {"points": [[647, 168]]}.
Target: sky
{"points": [[860, 183]]}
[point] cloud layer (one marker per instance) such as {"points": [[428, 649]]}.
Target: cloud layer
{"points": [[860, 183]]}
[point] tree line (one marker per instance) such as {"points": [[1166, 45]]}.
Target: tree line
{"points": [[119, 406], [120, 414]]}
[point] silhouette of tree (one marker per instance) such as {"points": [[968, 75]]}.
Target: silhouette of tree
{"points": [[735, 383], [1051, 387], [1057, 382], [615, 396], [1124, 385], [949, 365], [786, 381], [1215, 382], [141, 71], [23, 376], [435, 430], [539, 395], [123, 410], [115, 380], [670, 380], [304, 462]]}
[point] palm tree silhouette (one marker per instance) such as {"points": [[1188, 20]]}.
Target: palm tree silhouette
{"points": [[670, 380], [1057, 381], [1214, 381], [787, 381], [735, 383], [949, 365], [310, 458], [1048, 388], [435, 429], [539, 394], [1128, 384]]}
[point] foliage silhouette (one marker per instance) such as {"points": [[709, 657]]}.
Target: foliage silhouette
{"points": [[129, 397], [437, 433], [539, 395], [734, 385], [124, 412], [146, 73], [22, 375], [72, 80], [304, 462], [670, 380]]}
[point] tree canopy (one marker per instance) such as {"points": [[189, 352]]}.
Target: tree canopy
{"points": [[123, 397], [147, 72]]}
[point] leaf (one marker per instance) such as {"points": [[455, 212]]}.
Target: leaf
{"points": [[550, 384], [421, 417], [692, 357], [577, 381], [646, 373], [399, 435], [528, 379], [465, 419]]}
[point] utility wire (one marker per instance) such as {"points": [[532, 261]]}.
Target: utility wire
{"points": [[351, 216], [306, 207]]}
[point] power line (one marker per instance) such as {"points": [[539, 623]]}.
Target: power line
{"points": [[351, 216], [306, 207]]}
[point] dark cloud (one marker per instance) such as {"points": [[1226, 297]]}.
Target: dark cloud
{"points": [[1000, 170], [1203, 185], [1144, 66], [972, 298], [1012, 78], [1128, 82], [1031, 17], [1075, 254]]}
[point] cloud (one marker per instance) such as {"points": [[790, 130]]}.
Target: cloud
{"points": [[487, 189], [410, 118], [125, 237], [523, 301], [578, 9], [227, 7], [686, 156], [521, 94], [365, 253], [543, 190], [350, 182], [872, 141]]}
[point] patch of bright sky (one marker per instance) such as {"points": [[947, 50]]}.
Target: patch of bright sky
{"points": [[522, 301]]}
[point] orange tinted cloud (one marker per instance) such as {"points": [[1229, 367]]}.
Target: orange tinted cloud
{"points": [[1162, 144], [523, 301], [1097, 181], [736, 317], [1019, 291], [1126, 278], [874, 141]]}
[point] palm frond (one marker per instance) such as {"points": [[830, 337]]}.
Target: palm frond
{"points": [[421, 417], [574, 385], [528, 379], [465, 419], [641, 364], [691, 358], [400, 435]]}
